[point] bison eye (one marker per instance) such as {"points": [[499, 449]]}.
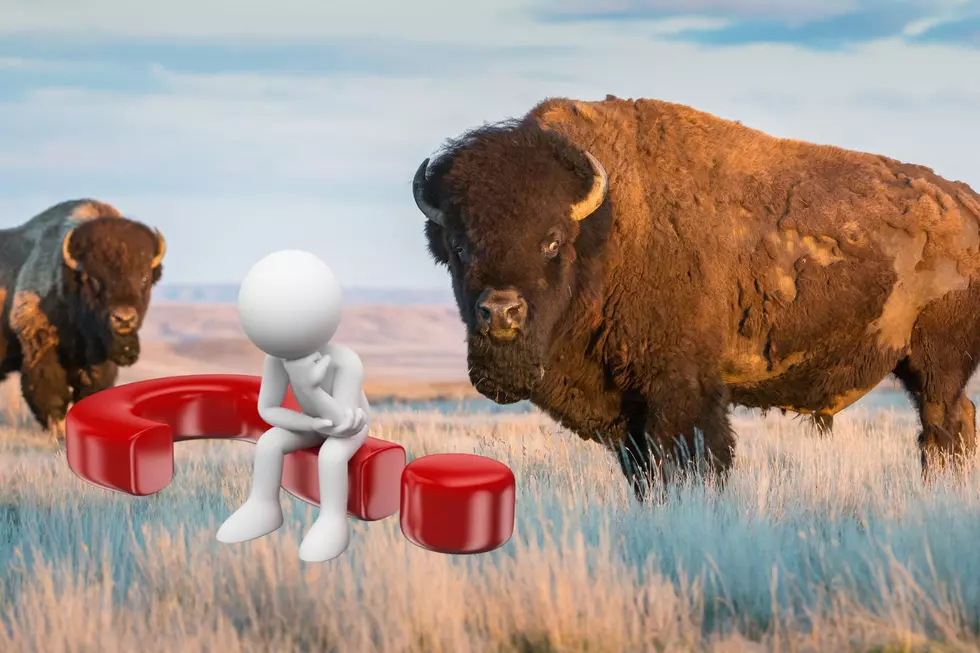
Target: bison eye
{"points": [[551, 249], [459, 248]]}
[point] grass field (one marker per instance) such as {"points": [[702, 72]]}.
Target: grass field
{"points": [[817, 544]]}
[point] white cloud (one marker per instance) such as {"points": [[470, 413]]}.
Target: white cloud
{"points": [[674, 26], [945, 12], [21, 63], [917, 27], [789, 11], [218, 237], [429, 21]]}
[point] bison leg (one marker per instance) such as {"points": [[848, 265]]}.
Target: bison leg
{"points": [[637, 462], [46, 390], [948, 434], [947, 417], [92, 379], [709, 439], [944, 351], [821, 424], [43, 381], [691, 435], [635, 450]]}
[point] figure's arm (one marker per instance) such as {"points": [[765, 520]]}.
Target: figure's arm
{"points": [[320, 368], [328, 406], [348, 383], [271, 395], [347, 392]]}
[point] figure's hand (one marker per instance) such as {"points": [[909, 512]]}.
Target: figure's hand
{"points": [[360, 421], [319, 370], [352, 424], [310, 369]]}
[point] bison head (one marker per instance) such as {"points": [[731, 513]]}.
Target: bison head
{"points": [[111, 264], [505, 206]]}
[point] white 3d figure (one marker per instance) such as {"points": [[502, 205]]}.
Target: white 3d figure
{"points": [[289, 306]]}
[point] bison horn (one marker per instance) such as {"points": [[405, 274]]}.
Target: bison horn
{"points": [[70, 260], [600, 184], [161, 249], [418, 187]]}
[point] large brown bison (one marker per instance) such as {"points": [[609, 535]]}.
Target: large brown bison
{"points": [[75, 284], [633, 268]]}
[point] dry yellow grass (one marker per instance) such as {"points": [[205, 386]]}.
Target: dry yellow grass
{"points": [[816, 544]]}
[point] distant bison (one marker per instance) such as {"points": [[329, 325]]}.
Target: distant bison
{"points": [[74, 286], [634, 268]]}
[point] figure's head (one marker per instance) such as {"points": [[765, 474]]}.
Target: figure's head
{"points": [[507, 208], [289, 304], [110, 266]]}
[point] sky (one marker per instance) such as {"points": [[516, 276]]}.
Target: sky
{"points": [[239, 128]]}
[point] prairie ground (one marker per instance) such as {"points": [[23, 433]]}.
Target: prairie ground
{"points": [[815, 544]]}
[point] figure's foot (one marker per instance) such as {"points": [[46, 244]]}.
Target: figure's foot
{"points": [[327, 539], [254, 519]]}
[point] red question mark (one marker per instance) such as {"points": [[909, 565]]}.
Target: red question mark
{"points": [[122, 438]]}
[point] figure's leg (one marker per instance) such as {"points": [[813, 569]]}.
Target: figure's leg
{"points": [[330, 533], [261, 513]]}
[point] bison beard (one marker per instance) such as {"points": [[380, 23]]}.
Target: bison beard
{"points": [[124, 349], [507, 372]]}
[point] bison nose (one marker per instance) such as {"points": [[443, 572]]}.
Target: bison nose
{"points": [[501, 312], [123, 319]]}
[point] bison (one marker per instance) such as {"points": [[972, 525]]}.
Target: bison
{"points": [[75, 284], [635, 268]]}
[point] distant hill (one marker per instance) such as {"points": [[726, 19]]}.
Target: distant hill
{"points": [[227, 293], [410, 352]]}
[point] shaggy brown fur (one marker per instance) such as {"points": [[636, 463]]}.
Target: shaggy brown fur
{"points": [[76, 283], [36, 334], [725, 266]]}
